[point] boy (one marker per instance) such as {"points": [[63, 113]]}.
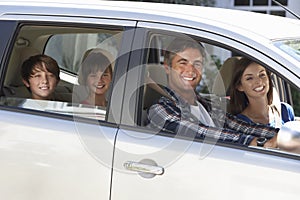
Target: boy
{"points": [[40, 74]]}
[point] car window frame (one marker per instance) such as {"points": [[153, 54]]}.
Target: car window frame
{"points": [[8, 35], [212, 38], [71, 21]]}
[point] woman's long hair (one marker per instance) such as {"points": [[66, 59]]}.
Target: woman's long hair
{"points": [[238, 99]]}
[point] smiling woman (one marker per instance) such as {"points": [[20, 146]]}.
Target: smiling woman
{"points": [[251, 96]]}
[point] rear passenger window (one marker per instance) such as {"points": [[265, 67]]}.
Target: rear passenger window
{"points": [[85, 58]]}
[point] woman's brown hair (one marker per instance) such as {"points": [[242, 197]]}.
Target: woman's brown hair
{"points": [[238, 99]]}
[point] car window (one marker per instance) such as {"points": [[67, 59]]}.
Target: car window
{"points": [[216, 74], [58, 45], [218, 67], [295, 94], [290, 47], [76, 52], [208, 87]]}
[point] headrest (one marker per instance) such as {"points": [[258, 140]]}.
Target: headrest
{"points": [[156, 78], [157, 74], [223, 79], [19, 55]]}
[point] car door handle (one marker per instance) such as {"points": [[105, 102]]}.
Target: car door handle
{"points": [[143, 168]]}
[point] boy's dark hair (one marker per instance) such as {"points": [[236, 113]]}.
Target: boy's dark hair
{"points": [[35, 62]]}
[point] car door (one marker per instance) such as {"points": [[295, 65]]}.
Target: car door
{"points": [[152, 164], [57, 149]]}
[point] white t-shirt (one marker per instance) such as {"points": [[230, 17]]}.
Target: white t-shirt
{"points": [[200, 112]]}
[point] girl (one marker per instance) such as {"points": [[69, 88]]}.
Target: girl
{"points": [[96, 75]]}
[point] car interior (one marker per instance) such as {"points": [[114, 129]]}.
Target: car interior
{"points": [[221, 85], [33, 40], [13, 85], [156, 78]]}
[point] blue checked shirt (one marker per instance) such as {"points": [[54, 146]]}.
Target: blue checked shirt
{"points": [[173, 114]]}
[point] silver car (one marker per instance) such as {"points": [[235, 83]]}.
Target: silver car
{"points": [[64, 149]]}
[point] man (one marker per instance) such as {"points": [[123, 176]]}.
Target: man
{"points": [[187, 114]]}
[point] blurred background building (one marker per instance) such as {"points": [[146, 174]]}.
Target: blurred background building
{"points": [[261, 6]]}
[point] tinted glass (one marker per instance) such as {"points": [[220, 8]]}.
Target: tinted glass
{"points": [[241, 2], [84, 58], [283, 2], [260, 2]]}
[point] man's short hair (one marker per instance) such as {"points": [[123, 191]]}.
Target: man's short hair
{"points": [[179, 45]]}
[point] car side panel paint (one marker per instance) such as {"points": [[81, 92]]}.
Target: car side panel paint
{"points": [[195, 170], [46, 158]]}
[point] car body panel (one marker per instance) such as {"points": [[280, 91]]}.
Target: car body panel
{"points": [[205, 16], [61, 156], [242, 27], [46, 158], [197, 170]]}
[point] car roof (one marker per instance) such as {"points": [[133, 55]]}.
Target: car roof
{"points": [[229, 21]]}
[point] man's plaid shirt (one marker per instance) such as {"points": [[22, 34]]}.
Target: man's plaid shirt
{"points": [[173, 114]]}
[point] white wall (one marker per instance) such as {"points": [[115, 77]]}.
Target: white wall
{"points": [[224, 3], [293, 5]]}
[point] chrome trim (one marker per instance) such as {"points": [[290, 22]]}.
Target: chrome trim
{"points": [[143, 168]]}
